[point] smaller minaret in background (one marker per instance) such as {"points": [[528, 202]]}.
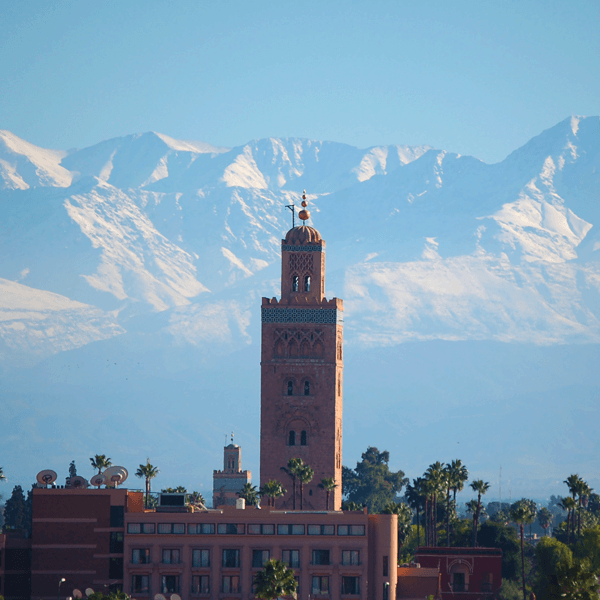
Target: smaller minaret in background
{"points": [[231, 480]]}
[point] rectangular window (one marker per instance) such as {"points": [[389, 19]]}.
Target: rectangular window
{"points": [[170, 584], [350, 586], [115, 568], [178, 528], [259, 558], [200, 558], [350, 557], [140, 556], [320, 585], [148, 528], [116, 542], [291, 558], [320, 557], [140, 584], [230, 584], [134, 528], [297, 529], [257, 529], [170, 556], [351, 530], [201, 528], [231, 558], [230, 528], [165, 528], [321, 530], [200, 584], [386, 566], [117, 516]]}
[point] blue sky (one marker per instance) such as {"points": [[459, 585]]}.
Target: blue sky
{"points": [[477, 78]]}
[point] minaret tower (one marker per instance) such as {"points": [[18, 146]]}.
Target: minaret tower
{"points": [[302, 373]]}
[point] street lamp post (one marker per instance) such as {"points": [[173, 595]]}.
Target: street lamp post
{"points": [[59, 584]]}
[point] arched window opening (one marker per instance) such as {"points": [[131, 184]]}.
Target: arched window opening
{"points": [[290, 390], [307, 283], [292, 438], [307, 388], [303, 438], [295, 283]]}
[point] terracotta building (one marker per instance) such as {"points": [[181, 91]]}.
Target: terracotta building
{"points": [[417, 583], [466, 573], [77, 534], [302, 372], [215, 553], [231, 480]]}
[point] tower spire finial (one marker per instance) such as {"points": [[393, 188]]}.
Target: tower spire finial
{"points": [[304, 214]]}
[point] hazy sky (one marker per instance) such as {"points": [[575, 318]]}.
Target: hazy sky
{"points": [[476, 77]]}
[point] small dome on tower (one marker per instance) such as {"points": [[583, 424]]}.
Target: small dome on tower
{"points": [[302, 235]]}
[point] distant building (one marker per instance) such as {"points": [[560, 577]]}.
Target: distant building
{"points": [[231, 480], [466, 573], [418, 583]]}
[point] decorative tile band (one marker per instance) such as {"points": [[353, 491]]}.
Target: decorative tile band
{"points": [[293, 248], [302, 315]]}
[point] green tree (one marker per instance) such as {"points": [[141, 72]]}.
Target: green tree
{"points": [[195, 499], [72, 469], [588, 546], [493, 534], [456, 476], [15, 510], [569, 504], [148, 472], [545, 519], [275, 580], [250, 494], [522, 512], [100, 462], [415, 496], [405, 515], [180, 489], [328, 484], [435, 476], [481, 487], [2, 475], [305, 476], [583, 492], [272, 490], [351, 506], [371, 483], [293, 469]]}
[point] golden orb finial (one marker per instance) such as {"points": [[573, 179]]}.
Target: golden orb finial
{"points": [[304, 214]]}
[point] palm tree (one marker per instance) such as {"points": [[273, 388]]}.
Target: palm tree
{"points": [[416, 499], [99, 461], [272, 490], [460, 475], [569, 505], [293, 470], [250, 494], [195, 499], [481, 487], [404, 518], [545, 519], [436, 476], [521, 512], [148, 472], [328, 484], [305, 475], [583, 491], [275, 580], [351, 506]]}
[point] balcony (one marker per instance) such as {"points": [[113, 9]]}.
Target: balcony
{"points": [[460, 587]]}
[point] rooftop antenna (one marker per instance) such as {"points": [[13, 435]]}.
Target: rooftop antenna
{"points": [[500, 487], [225, 439]]}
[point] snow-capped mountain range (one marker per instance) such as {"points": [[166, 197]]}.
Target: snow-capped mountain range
{"points": [[150, 237]]}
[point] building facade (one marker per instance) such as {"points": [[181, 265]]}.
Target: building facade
{"points": [[466, 573], [78, 535], [216, 553], [15, 566], [302, 373]]}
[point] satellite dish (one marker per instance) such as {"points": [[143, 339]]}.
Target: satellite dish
{"points": [[89, 591], [46, 477], [159, 597], [97, 480], [79, 482], [77, 593], [175, 597], [115, 476]]}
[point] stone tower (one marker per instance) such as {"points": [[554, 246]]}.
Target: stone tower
{"points": [[302, 374], [228, 482]]}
